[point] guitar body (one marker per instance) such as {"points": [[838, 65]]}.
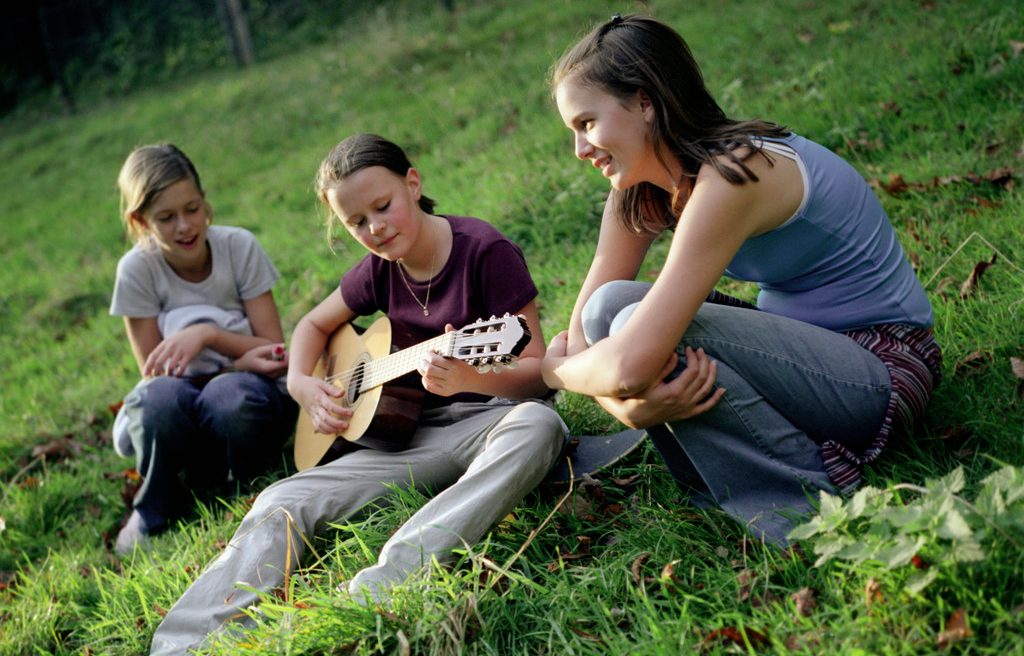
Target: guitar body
{"points": [[383, 417], [382, 387]]}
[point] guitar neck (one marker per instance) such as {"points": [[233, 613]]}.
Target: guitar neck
{"points": [[382, 370]]}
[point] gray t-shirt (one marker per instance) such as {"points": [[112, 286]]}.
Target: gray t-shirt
{"points": [[146, 286]]}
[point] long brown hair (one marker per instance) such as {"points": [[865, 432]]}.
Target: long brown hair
{"points": [[628, 54], [358, 152]]}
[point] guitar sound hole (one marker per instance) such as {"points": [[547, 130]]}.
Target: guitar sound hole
{"points": [[352, 394]]}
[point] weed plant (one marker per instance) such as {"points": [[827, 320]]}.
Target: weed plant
{"points": [[924, 98]]}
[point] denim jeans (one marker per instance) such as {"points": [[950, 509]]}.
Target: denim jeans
{"points": [[789, 386], [236, 422]]}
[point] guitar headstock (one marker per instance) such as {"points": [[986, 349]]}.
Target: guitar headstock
{"points": [[490, 342]]}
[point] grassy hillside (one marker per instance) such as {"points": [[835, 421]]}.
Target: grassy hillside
{"points": [[924, 98]]}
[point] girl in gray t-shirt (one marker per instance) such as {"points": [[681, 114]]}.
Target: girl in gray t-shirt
{"points": [[200, 316]]}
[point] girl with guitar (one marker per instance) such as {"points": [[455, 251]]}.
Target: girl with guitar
{"points": [[770, 404], [201, 319], [483, 440]]}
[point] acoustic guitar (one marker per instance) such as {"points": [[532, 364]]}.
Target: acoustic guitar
{"points": [[385, 413]]}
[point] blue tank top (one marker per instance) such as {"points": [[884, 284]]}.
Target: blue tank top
{"points": [[836, 262]]}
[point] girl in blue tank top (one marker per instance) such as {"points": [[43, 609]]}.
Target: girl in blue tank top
{"points": [[751, 407]]}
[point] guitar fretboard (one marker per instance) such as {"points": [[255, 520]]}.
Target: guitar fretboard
{"points": [[385, 369]]}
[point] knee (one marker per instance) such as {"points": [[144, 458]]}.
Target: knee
{"points": [[228, 394], [606, 303], [544, 432], [165, 401]]}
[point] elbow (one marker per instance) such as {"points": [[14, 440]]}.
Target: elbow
{"points": [[629, 376]]}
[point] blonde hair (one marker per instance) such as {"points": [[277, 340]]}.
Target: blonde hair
{"points": [[146, 172]]}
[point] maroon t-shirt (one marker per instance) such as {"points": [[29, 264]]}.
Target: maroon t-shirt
{"points": [[485, 275]]}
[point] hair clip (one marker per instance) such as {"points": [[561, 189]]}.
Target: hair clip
{"points": [[616, 19]]}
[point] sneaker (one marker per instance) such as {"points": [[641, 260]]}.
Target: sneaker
{"points": [[131, 534]]}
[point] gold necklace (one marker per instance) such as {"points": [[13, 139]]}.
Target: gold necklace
{"points": [[426, 301]]}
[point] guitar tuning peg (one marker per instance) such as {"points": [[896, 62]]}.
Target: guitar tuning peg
{"points": [[484, 368], [494, 318]]}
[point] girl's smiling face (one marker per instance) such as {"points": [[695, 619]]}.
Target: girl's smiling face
{"points": [[380, 209], [613, 134], [177, 220]]}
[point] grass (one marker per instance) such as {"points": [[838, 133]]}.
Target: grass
{"points": [[924, 90]]}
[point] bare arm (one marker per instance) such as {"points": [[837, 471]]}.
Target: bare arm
{"points": [[158, 355], [618, 256], [717, 219], [318, 398]]}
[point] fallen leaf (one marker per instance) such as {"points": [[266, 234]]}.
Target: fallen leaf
{"points": [[736, 636], [918, 562], [1017, 367], [956, 629], [806, 600], [1016, 47], [971, 363], [971, 284], [955, 436], [114, 407], [872, 593], [668, 578], [8, 580], [586, 636], [61, 448], [625, 482], [638, 563], [160, 610], [745, 579]]}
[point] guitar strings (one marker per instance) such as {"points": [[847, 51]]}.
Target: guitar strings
{"points": [[354, 377]]}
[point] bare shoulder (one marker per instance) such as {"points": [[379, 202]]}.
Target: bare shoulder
{"points": [[771, 199]]}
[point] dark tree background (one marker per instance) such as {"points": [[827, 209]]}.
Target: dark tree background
{"points": [[62, 47]]}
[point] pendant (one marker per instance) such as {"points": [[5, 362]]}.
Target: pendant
{"points": [[426, 312]]}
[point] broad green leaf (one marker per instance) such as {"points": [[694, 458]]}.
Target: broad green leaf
{"points": [[968, 551], [921, 579], [952, 482], [867, 500], [907, 518], [831, 509], [954, 526], [900, 553], [829, 545], [807, 529]]}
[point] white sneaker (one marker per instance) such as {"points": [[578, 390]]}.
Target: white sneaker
{"points": [[131, 534]]}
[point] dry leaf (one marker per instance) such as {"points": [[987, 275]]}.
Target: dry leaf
{"points": [[806, 600], [956, 629], [735, 636], [1017, 367], [61, 448], [872, 593], [668, 577], [746, 580], [971, 284], [971, 363], [638, 563]]}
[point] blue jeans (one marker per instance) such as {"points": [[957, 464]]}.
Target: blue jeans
{"points": [[236, 422], [789, 386]]}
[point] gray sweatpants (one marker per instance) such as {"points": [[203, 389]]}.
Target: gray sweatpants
{"points": [[482, 458]]}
